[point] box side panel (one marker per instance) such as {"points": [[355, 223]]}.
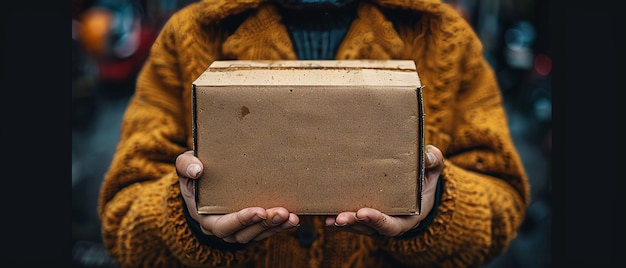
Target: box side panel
{"points": [[313, 150]]}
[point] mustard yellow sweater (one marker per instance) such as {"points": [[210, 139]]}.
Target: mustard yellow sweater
{"points": [[485, 193]]}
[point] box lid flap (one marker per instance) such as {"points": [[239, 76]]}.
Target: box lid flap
{"points": [[379, 73]]}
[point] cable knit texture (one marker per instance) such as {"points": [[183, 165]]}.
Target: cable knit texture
{"points": [[486, 190]]}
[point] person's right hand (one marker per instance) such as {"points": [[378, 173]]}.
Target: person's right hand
{"points": [[248, 224]]}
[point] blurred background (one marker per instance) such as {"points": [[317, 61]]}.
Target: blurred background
{"points": [[111, 39]]}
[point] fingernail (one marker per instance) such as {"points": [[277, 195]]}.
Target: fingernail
{"points": [[193, 170], [276, 219], [340, 225], [432, 159]]}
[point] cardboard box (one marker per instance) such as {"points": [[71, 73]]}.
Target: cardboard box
{"points": [[316, 137]]}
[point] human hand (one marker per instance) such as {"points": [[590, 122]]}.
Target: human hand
{"points": [[370, 221], [248, 224]]}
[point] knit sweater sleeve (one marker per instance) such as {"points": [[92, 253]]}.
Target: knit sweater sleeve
{"points": [[140, 205], [485, 190]]}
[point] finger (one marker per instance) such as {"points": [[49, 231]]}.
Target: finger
{"points": [[371, 221], [433, 158], [226, 225], [187, 165], [383, 223], [292, 222], [434, 163], [275, 217], [330, 220], [187, 190], [346, 221]]}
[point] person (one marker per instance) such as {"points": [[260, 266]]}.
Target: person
{"points": [[476, 190]]}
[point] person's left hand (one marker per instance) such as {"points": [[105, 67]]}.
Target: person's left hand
{"points": [[370, 221]]}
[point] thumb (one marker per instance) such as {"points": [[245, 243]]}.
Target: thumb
{"points": [[433, 158], [189, 166]]}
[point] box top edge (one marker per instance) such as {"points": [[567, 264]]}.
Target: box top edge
{"points": [[391, 64]]}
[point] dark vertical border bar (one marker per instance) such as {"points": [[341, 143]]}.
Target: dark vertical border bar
{"points": [[194, 133], [194, 123], [420, 138]]}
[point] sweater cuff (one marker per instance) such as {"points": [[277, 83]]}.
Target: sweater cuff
{"points": [[431, 216], [211, 240]]}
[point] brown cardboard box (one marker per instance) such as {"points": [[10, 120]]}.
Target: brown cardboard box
{"points": [[316, 137]]}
